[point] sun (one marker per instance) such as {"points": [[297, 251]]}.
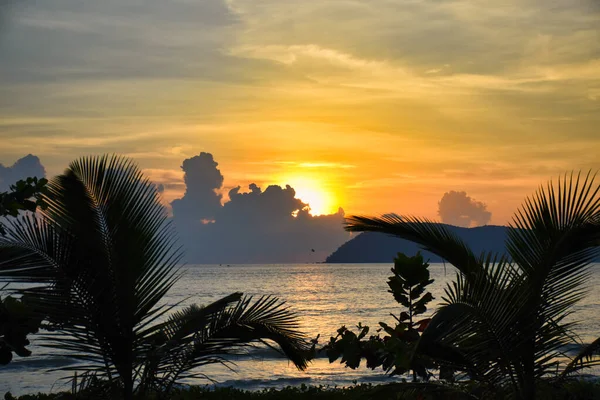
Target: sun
{"points": [[318, 202], [315, 194]]}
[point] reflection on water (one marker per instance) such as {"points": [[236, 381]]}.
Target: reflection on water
{"points": [[326, 296]]}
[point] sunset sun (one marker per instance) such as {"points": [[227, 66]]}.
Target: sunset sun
{"points": [[315, 193]]}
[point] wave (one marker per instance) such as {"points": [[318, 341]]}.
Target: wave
{"points": [[250, 353], [55, 362], [252, 384], [48, 362], [343, 380], [264, 353], [574, 348]]}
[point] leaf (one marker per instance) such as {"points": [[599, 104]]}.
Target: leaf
{"points": [[420, 306], [363, 331], [586, 358], [198, 336], [417, 291]]}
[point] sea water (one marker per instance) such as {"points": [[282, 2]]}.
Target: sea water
{"points": [[325, 297]]}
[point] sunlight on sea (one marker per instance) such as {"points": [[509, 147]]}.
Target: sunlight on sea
{"points": [[326, 296]]}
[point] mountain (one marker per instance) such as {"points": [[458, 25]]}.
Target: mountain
{"points": [[372, 247]]}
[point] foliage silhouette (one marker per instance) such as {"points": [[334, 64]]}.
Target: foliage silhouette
{"points": [[503, 321], [16, 317], [25, 195], [102, 256], [17, 320], [396, 352]]}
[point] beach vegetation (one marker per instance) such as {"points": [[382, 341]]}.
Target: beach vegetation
{"points": [[17, 319], [393, 348], [568, 390], [504, 321]]}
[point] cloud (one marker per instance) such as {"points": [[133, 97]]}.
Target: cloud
{"points": [[104, 40], [255, 207], [28, 166], [254, 226], [456, 208], [202, 181], [257, 226]]}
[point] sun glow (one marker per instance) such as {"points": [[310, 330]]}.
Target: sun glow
{"points": [[315, 194]]}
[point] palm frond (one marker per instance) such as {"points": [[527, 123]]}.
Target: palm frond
{"points": [[553, 238], [433, 237], [586, 358], [476, 323], [556, 233], [198, 336]]}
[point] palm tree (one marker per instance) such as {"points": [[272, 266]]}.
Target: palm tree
{"points": [[101, 257], [503, 320]]}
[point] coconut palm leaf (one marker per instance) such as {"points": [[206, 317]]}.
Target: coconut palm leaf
{"points": [[174, 335], [433, 237], [553, 239], [477, 322], [198, 336], [587, 357]]}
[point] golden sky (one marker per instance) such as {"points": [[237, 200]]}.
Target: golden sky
{"points": [[374, 106]]}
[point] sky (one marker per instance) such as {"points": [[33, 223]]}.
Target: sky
{"points": [[373, 106]]}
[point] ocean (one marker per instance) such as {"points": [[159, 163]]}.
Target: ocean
{"points": [[325, 296]]}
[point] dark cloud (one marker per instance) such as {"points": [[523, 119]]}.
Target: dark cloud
{"points": [[28, 166], [258, 226], [6, 9], [70, 39], [202, 181], [275, 204], [456, 208]]}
